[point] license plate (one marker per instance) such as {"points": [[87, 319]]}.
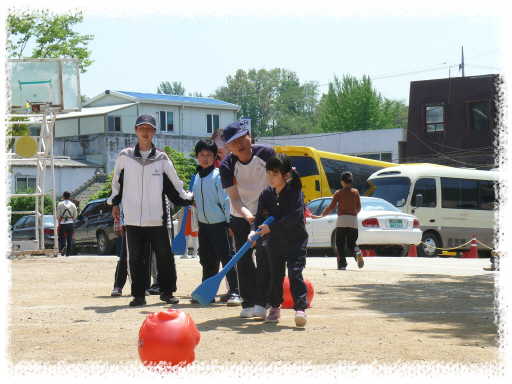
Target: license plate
{"points": [[395, 223]]}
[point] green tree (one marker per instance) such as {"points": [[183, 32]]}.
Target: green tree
{"points": [[171, 89], [105, 190], [27, 203], [52, 34], [352, 105], [16, 130]]}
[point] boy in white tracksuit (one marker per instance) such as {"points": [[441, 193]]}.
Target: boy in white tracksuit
{"points": [[143, 176]]}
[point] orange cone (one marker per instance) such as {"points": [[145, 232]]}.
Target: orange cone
{"points": [[412, 251], [371, 253], [465, 255], [473, 254], [363, 251]]}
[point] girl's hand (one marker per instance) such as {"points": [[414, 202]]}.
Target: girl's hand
{"points": [[249, 238], [264, 229]]}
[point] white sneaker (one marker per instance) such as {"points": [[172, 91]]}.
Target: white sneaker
{"points": [[247, 312], [194, 255], [259, 312], [184, 256]]}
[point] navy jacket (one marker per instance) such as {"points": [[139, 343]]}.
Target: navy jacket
{"points": [[288, 231]]}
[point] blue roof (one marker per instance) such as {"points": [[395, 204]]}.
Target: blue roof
{"points": [[163, 96]]}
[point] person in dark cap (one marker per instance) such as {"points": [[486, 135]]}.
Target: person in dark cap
{"points": [[143, 176], [244, 176], [347, 232]]}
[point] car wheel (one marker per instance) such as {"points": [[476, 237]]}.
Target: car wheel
{"points": [[430, 243], [380, 251], [103, 244]]}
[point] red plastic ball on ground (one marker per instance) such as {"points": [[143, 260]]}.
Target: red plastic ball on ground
{"points": [[287, 296], [168, 338]]}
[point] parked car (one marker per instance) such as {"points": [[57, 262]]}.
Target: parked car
{"points": [[24, 229], [382, 227], [94, 227]]}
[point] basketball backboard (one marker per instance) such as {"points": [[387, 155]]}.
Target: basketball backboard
{"points": [[41, 83]]}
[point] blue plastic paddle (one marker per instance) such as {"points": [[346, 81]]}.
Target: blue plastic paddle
{"points": [[179, 243], [207, 290]]}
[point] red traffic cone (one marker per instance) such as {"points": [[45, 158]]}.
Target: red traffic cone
{"points": [[473, 254], [465, 255], [412, 251], [363, 251], [371, 253]]}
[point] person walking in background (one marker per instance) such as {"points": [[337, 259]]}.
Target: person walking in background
{"points": [[287, 238], [66, 212], [349, 205]]}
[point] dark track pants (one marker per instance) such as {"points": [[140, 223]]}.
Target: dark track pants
{"points": [[253, 283], [66, 233], [346, 236], [215, 245], [158, 238], [298, 287]]}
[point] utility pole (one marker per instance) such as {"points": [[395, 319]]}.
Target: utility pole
{"points": [[461, 65]]}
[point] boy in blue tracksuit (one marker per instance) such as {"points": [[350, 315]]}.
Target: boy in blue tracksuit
{"points": [[213, 215]]}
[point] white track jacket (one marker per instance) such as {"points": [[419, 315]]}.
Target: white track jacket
{"points": [[142, 186]]}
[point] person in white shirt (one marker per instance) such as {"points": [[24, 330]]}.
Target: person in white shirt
{"points": [[66, 212]]}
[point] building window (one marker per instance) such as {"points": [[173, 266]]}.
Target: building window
{"points": [[25, 182], [480, 116], [114, 123], [212, 123], [435, 118], [166, 121]]}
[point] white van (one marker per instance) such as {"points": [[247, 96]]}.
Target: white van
{"points": [[452, 204]]}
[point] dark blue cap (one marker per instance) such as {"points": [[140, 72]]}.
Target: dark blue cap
{"points": [[146, 119], [234, 131]]}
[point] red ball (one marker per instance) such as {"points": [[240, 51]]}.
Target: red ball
{"points": [[168, 338], [287, 296]]}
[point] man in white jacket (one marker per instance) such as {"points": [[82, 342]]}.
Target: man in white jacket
{"points": [[66, 212], [143, 176]]}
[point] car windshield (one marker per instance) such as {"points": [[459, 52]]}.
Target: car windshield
{"points": [[392, 189], [377, 205]]}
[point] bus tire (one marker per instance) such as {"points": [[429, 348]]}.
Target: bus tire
{"points": [[429, 238]]}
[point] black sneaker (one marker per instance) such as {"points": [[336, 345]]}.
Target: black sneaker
{"points": [[169, 298], [154, 289], [224, 298], [138, 301]]}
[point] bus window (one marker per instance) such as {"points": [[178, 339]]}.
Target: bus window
{"points": [[427, 188], [305, 165], [488, 200], [392, 189], [459, 193], [334, 168]]}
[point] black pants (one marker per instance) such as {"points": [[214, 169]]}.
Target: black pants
{"points": [[253, 283], [215, 245], [122, 265], [298, 287], [140, 269], [66, 233], [346, 236]]}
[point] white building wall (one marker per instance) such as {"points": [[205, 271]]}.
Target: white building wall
{"points": [[91, 125], [66, 178], [108, 100], [67, 127], [348, 143], [128, 117]]}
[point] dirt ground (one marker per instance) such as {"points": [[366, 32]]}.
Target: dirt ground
{"points": [[61, 310]]}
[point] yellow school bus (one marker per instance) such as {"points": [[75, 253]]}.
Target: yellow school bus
{"points": [[321, 171]]}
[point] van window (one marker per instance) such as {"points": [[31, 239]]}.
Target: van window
{"points": [[459, 193], [305, 165], [392, 189], [334, 168], [488, 199], [427, 188]]}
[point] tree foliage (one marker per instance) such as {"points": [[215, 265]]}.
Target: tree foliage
{"points": [[51, 34], [16, 130], [275, 100], [353, 105], [171, 89], [27, 203], [105, 190]]}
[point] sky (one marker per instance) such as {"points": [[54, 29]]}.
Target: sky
{"points": [[136, 54]]}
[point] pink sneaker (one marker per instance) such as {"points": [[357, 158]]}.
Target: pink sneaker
{"points": [[300, 318], [273, 315]]}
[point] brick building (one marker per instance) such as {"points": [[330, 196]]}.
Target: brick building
{"points": [[453, 121]]}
